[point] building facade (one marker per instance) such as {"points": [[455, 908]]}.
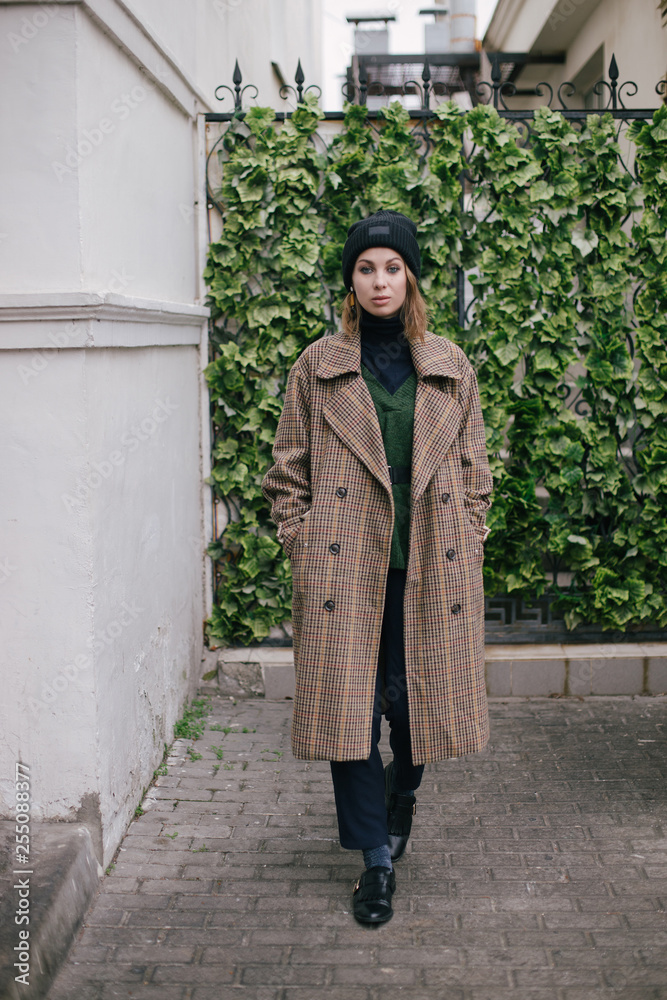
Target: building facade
{"points": [[582, 35], [104, 582]]}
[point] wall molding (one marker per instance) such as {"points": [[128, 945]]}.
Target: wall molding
{"points": [[38, 320]]}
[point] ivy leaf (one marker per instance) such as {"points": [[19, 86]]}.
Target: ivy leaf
{"points": [[545, 360], [506, 352], [561, 282], [541, 191], [584, 242]]}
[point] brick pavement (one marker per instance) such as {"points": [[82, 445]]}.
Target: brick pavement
{"points": [[537, 870]]}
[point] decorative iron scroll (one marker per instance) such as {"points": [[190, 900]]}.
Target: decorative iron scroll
{"points": [[238, 91], [443, 75], [510, 619]]}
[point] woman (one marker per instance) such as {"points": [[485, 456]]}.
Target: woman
{"points": [[379, 489]]}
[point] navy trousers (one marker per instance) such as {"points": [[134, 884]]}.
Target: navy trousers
{"points": [[359, 784]]}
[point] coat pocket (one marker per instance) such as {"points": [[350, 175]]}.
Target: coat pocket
{"points": [[294, 539], [474, 539]]}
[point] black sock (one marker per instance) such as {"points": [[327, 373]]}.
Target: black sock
{"points": [[378, 857]]}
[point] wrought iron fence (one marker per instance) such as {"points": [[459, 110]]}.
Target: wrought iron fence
{"points": [[507, 618], [498, 92]]}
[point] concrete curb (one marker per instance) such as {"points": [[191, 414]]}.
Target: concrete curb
{"points": [[511, 671], [259, 670], [65, 876]]}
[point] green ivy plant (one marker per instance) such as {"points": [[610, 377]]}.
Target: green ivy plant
{"points": [[564, 253]]}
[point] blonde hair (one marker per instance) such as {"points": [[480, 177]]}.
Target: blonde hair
{"points": [[413, 311]]}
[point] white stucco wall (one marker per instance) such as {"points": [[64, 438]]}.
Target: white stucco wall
{"points": [[146, 556], [256, 32], [46, 591], [138, 186], [104, 166], [39, 245], [103, 498], [104, 426], [103, 539]]}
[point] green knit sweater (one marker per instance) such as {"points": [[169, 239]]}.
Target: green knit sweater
{"points": [[396, 415]]}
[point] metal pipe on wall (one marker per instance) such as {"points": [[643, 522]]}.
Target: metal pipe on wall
{"points": [[463, 18]]}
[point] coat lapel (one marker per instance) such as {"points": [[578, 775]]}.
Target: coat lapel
{"points": [[437, 422], [352, 417], [437, 413], [351, 412]]}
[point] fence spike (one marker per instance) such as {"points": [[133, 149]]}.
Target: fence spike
{"points": [[613, 76], [426, 78], [236, 79], [495, 77], [298, 79]]}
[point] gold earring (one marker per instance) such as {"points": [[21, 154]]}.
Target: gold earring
{"points": [[351, 298]]}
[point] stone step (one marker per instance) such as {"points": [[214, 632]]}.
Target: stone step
{"points": [[62, 879], [538, 670]]}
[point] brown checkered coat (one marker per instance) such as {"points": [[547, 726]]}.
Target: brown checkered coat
{"points": [[331, 499]]}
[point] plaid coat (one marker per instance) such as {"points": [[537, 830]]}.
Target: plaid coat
{"points": [[331, 498]]}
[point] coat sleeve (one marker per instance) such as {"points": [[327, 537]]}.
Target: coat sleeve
{"points": [[475, 471], [287, 483]]}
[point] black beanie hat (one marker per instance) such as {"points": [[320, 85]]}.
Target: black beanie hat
{"points": [[382, 229]]}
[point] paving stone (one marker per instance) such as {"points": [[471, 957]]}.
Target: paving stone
{"points": [[226, 955], [162, 885], [306, 975], [466, 976], [371, 976], [192, 975], [233, 993], [148, 991], [537, 871], [333, 993]]}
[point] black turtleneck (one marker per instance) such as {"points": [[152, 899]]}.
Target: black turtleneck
{"points": [[385, 350]]}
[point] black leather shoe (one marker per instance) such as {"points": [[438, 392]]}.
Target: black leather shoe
{"points": [[400, 810], [371, 898]]}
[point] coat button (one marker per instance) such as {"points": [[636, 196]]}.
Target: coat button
{"points": [[455, 608], [341, 492], [450, 553], [329, 605], [334, 549], [445, 497]]}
